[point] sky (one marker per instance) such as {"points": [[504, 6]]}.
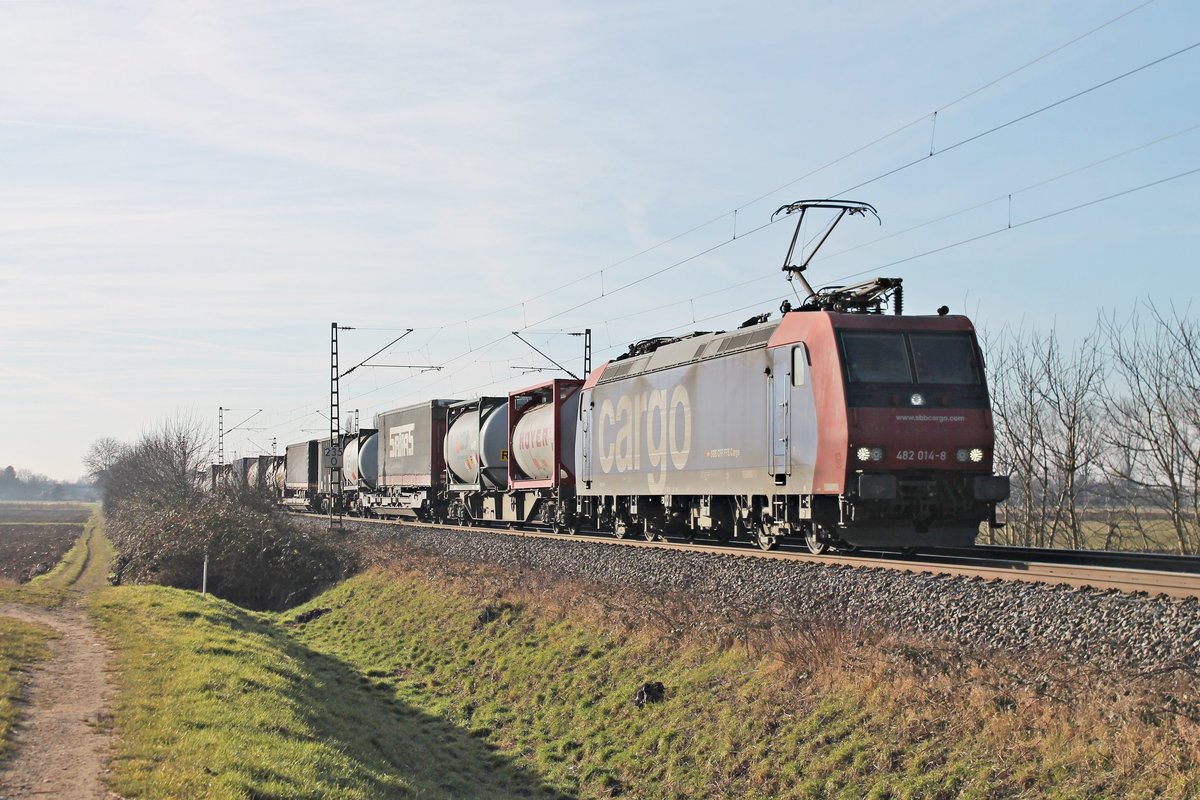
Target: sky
{"points": [[191, 193]]}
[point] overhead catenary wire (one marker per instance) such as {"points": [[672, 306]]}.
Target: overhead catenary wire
{"points": [[1021, 118], [933, 251], [606, 291], [878, 140], [888, 173], [967, 240]]}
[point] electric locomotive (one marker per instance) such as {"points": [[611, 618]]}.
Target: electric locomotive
{"points": [[836, 423]]}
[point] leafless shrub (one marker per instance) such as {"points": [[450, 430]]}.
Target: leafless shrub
{"points": [[1153, 411], [258, 559], [164, 525], [1102, 439], [1046, 405], [165, 465]]}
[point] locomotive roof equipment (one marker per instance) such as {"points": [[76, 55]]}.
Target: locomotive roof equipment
{"points": [[867, 297]]}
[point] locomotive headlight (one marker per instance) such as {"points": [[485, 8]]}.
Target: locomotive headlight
{"points": [[917, 399], [869, 454], [974, 455]]}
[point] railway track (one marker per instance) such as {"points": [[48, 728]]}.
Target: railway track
{"points": [[1153, 574]]}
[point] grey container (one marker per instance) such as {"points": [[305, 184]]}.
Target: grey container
{"points": [[410, 445]]}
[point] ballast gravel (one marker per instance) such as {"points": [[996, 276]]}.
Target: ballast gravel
{"points": [[1106, 629]]}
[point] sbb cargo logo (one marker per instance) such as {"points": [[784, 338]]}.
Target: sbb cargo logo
{"points": [[665, 425], [400, 441]]}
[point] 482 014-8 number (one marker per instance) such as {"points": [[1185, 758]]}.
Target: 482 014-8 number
{"points": [[922, 455]]}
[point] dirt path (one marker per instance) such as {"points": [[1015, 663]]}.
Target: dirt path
{"points": [[64, 737]]}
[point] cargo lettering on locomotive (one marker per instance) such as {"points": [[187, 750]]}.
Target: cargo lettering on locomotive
{"points": [[401, 442], [666, 425]]}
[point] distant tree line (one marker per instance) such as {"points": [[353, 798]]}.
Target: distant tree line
{"points": [[22, 484], [165, 519], [1101, 437]]}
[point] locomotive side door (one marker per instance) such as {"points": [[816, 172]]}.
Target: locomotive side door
{"points": [[780, 399], [584, 442]]}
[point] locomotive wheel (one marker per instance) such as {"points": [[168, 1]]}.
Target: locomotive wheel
{"points": [[648, 533], [763, 539], [815, 545], [619, 529]]}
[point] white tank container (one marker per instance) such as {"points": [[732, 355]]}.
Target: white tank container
{"points": [[473, 449], [368, 460], [350, 462], [533, 442]]}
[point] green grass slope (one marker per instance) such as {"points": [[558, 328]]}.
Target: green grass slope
{"points": [[218, 702], [548, 673], [439, 680]]}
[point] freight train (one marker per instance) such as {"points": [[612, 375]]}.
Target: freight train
{"points": [[836, 425]]}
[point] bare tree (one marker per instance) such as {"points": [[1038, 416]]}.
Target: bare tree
{"points": [[1021, 445], [1069, 392], [1152, 417], [1045, 404], [163, 465]]}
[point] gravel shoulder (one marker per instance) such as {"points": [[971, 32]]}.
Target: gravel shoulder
{"points": [[1103, 630]]}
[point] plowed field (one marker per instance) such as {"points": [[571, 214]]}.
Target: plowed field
{"points": [[35, 536]]}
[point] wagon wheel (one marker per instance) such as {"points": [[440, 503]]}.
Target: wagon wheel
{"points": [[815, 545]]}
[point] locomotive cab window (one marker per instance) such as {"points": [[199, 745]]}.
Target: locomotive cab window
{"points": [[876, 357], [916, 358], [944, 358], [799, 364]]}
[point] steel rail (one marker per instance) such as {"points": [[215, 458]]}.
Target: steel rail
{"points": [[1165, 562]]}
